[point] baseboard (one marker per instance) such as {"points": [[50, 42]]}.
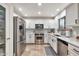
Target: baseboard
{"points": [[30, 43], [37, 44], [46, 43]]}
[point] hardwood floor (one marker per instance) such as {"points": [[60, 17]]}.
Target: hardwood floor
{"points": [[34, 50]]}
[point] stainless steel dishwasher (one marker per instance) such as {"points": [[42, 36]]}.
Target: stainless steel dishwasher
{"points": [[62, 48]]}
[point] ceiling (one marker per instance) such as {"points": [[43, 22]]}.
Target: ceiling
{"points": [[33, 10]]}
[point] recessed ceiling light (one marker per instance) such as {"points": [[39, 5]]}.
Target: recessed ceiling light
{"points": [[25, 15], [52, 15], [14, 14], [20, 9], [57, 9], [39, 12], [39, 4]]}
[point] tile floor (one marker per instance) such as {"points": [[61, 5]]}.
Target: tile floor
{"points": [[34, 50]]}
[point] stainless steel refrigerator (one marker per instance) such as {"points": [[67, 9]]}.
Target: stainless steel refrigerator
{"points": [[19, 36]]}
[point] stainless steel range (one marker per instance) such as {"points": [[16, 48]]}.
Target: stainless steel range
{"points": [[39, 34], [39, 38]]}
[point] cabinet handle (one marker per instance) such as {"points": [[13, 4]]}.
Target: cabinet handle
{"points": [[75, 50]]}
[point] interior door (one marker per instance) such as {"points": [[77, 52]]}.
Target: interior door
{"points": [[7, 51], [2, 31]]}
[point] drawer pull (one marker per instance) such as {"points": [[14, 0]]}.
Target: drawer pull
{"points": [[75, 50]]}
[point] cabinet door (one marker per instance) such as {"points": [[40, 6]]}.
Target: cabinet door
{"points": [[49, 38], [30, 38], [55, 44], [45, 38]]}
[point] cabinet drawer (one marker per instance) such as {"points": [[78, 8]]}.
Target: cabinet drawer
{"points": [[75, 47], [73, 50], [72, 53]]}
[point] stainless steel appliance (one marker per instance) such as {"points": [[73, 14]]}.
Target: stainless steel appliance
{"points": [[39, 26], [62, 48], [39, 38], [39, 34], [19, 35]]}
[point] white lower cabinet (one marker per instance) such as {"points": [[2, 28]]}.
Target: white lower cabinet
{"points": [[53, 43], [30, 38], [72, 50], [46, 38]]}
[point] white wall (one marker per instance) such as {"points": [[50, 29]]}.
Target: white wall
{"points": [[49, 23]]}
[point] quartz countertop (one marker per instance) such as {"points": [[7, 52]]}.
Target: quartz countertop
{"points": [[70, 40]]}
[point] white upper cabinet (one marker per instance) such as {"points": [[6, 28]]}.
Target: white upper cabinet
{"points": [[71, 14]]}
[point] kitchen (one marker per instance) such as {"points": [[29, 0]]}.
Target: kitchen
{"points": [[41, 33]]}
